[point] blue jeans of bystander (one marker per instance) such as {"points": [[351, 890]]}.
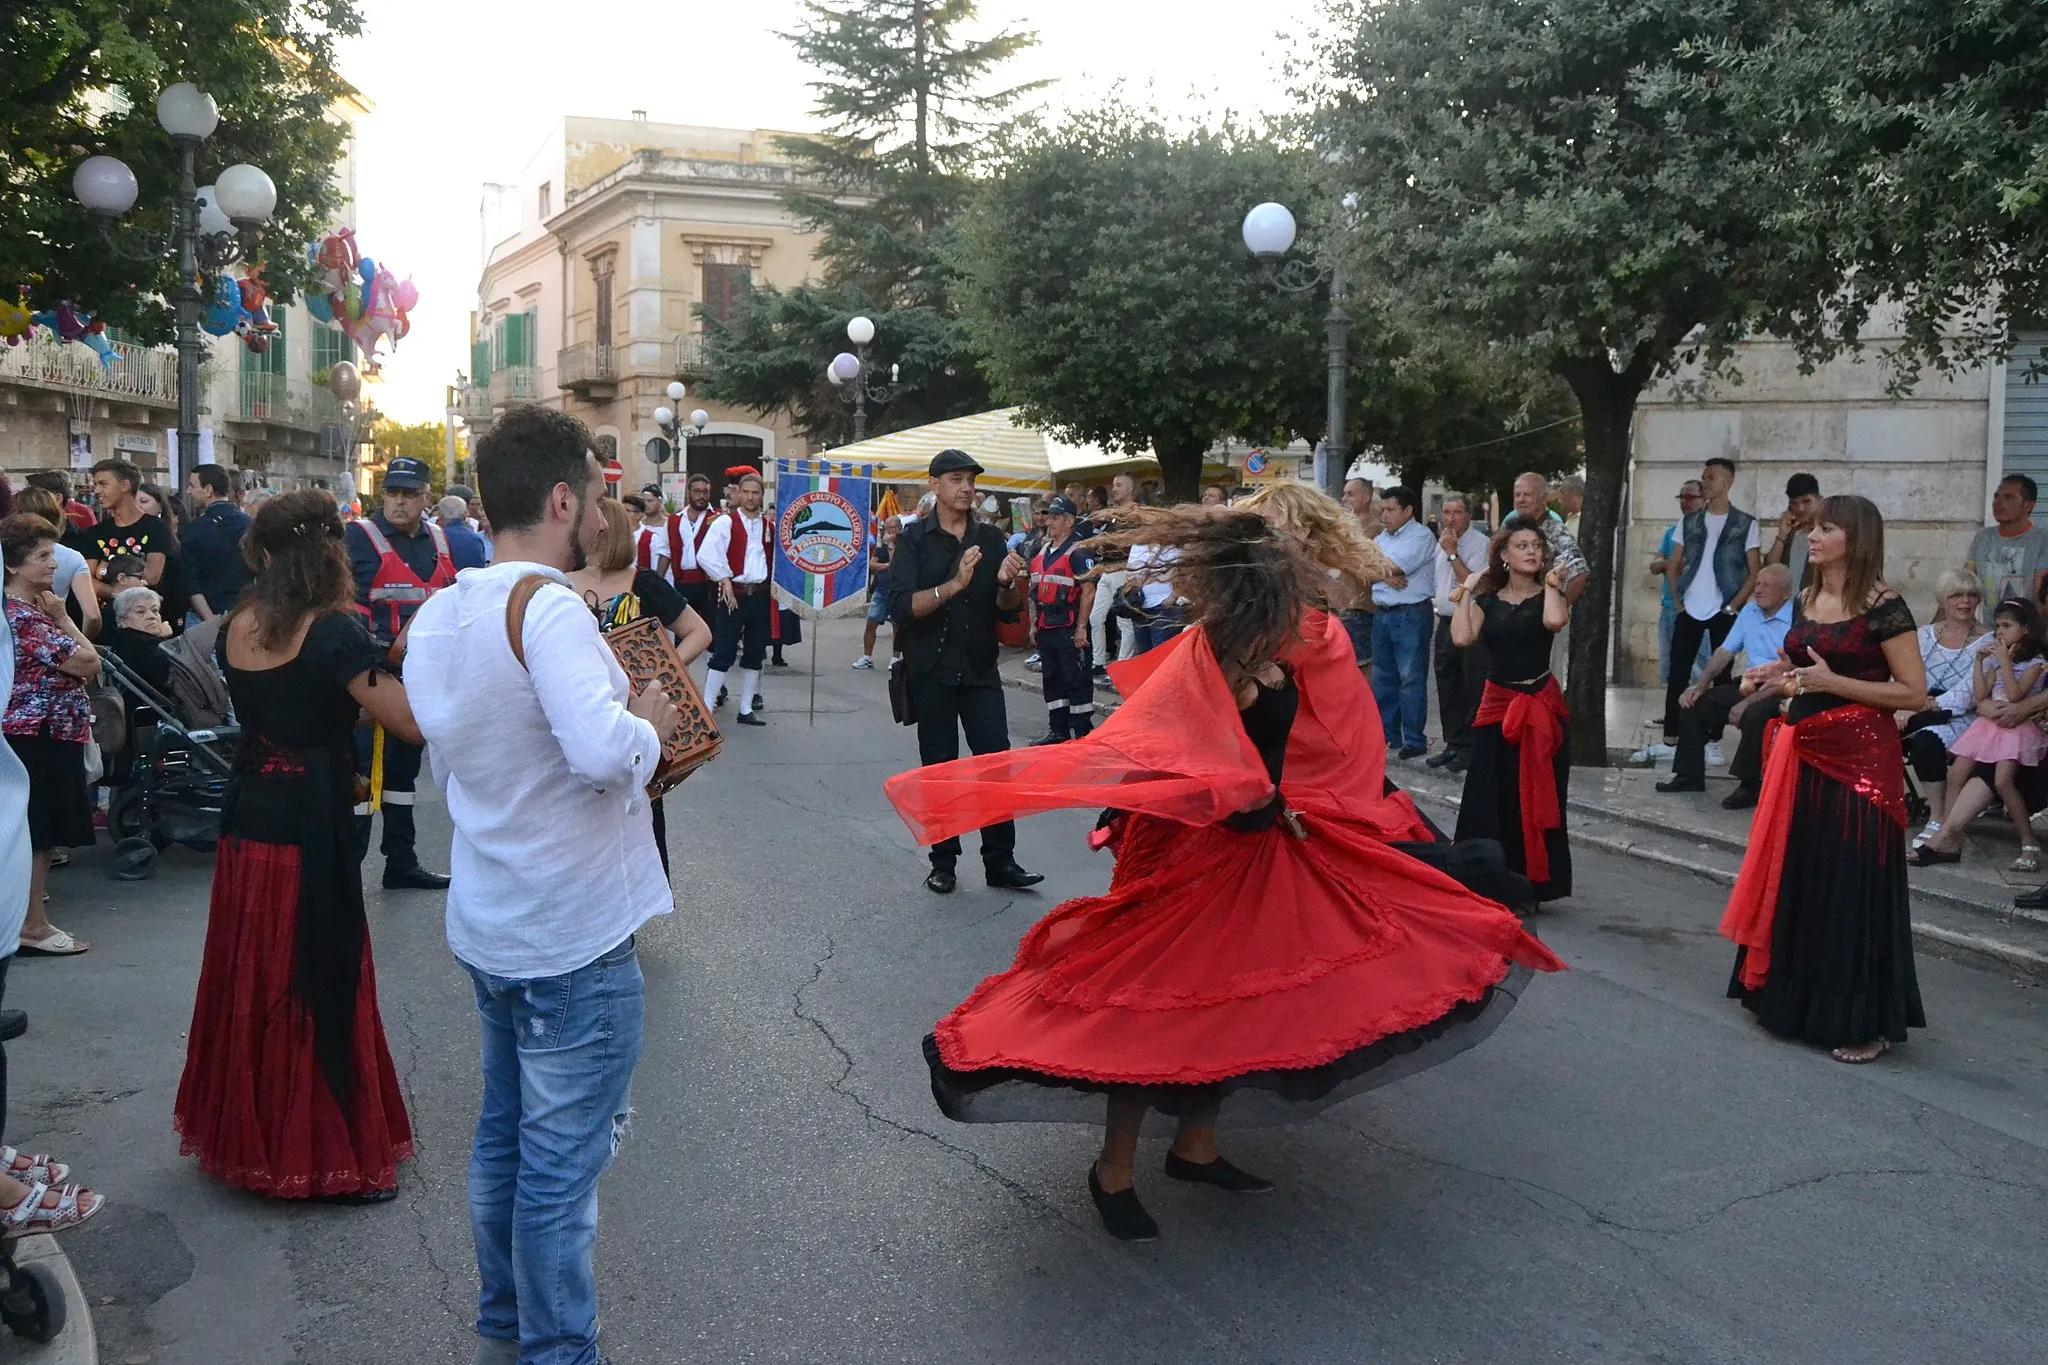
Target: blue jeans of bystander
{"points": [[1400, 672], [558, 1057]]}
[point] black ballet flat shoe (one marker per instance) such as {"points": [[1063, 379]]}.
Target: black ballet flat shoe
{"points": [[1010, 877], [1928, 856], [1123, 1217], [414, 879], [941, 881], [749, 718], [355, 1197], [1219, 1173], [1742, 798], [1683, 784], [2036, 899]]}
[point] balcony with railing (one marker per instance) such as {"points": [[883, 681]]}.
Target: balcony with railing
{"points": [[473, 404], [515, 384], [277, 401], [688, 359], [587, 368], [141, 374]]}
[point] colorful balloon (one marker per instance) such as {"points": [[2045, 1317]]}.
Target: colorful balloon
{"points": [[320, 307]]}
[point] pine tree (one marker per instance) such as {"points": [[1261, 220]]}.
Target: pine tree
{"points": [[902, 94]]}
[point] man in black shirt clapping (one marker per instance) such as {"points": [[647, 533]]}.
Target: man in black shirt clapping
{"points": [[950, 581]]}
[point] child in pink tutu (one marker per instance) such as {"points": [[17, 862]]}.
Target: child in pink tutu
{"points": [[2010, 667]]}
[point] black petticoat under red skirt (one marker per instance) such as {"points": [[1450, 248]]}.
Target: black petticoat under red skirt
{"points": [[1277, 975], [253, 1105]]}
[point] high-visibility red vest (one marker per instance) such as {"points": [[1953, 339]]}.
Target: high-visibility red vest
{"points": [[1054, 587], [675, 547], [397, 592]]}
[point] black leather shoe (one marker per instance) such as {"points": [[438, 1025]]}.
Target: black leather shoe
{"points": [[1010, 877], [749, 718], [1219, 1173], [760, 702], [1411, 752], [1742, 798], [721, 699], [1683, 784], [13, 1023], [1459, 761], [413, 879], [1044, 740], [1122, 1214], [2027, 900], [941, 880], [1440, 758]]}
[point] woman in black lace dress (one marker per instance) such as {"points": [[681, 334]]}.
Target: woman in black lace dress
{"points": [[1826, 944], [1520, 763]]}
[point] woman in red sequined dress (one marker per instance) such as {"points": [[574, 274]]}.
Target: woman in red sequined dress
{"points": [[1820, 909], [1262, 951]]}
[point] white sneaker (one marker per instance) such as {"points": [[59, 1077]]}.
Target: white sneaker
{"points": [[1649, 754], [863, 662], [1714, 759]]}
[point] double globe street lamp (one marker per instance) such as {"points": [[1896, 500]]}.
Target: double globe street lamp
{"points": [[850, 371], [212, 226], [1269, 235], [675, 431]]}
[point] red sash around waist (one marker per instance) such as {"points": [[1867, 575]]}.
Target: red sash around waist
{"points": [[1534, 723], [1853, 745]]}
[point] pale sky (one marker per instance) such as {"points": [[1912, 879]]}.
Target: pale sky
{"points": [[465, 90]]}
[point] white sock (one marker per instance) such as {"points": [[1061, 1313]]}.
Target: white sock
{"points": [[714, 679], [750, 683]]}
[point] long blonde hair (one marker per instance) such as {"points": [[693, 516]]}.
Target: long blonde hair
{"points": [[618, 545], [1329, 534]]}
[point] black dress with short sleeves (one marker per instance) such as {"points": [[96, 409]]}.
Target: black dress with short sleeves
{"points": [[1517, 647]]}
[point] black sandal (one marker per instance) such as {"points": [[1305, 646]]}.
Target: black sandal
{"points": [[1924, 856]]}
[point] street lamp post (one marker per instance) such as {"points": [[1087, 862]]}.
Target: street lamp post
{"points": [[679, 431], [212, 226], [1269, 234], [850, 371]]}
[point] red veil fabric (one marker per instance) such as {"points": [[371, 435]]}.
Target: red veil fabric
{"points": [[1216, 954], [1853, 745]]}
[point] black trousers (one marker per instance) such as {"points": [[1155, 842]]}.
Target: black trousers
{"points": [[944, 712], [1686, 635], [401, 781], [1066, 679], [700, 598], [742, 633], [1460, 678], [1705, 720]]}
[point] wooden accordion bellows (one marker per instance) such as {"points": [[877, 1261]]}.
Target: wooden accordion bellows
{"points": [[646, 655]]}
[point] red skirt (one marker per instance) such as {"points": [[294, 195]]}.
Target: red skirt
{"points": [[1286, 974], [252, 1104]]}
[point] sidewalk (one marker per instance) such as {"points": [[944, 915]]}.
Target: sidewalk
{"points": [[75, 1343], [1964, 908]]}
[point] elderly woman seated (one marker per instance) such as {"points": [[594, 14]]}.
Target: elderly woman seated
{"points": [[138, 633], [1948, 649]]}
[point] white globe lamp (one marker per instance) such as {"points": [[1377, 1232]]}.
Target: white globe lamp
{"points": [[676, 391], [664, 417], [1269, 230], [860, 332], [105, 185], [245, 194], [186, 111]]}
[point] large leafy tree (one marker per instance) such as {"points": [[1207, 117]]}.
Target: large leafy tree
{"points": [[1565, 180], [907, 102], [82, 79]]}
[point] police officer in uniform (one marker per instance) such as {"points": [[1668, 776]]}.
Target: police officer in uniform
{"points": [[951, 579], [1060, 603], [400, 559]]}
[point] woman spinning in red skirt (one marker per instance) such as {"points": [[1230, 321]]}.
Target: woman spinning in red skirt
{"points": [[1261, 953]]}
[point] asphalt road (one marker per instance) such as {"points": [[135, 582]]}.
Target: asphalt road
{"points": [[1627, 1170]]}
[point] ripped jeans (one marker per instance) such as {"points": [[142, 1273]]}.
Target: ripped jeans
{"points": [[558, 1058]]}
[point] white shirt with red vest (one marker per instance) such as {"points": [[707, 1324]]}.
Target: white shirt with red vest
{"points": [[686, 532], [650, 548], [735, 547]]}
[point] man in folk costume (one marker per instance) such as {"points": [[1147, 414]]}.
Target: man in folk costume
{"points": [[400, 560], [735, 556], [650, 540], [686, 532], [1060, 603]]}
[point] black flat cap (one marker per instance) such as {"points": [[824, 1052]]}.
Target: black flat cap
{"points": [[946, 461]]}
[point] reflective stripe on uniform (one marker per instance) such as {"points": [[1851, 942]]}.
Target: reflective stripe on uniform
{"points": [[397, 798]]}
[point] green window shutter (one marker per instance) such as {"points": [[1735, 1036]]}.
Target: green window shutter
{"points": [[498, 360], [275, 356], [479, 360], [326, 347]]}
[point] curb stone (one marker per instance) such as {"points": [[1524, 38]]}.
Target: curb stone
{"points": [[78, 1343]]}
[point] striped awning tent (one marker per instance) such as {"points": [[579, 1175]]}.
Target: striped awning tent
{"points": [[1016, 459]]}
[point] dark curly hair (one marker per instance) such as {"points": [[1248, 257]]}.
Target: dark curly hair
{"points": [[299, 560], [1496, 576], [1246, 585], [529, 452]]}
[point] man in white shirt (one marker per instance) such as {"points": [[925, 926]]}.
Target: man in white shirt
{"points": [[555, 869], [1713, 572], [650, 540], [686, 532], [1150, 572], [735, 557], [1107, 621], [1403, 614], [1460, 673]]}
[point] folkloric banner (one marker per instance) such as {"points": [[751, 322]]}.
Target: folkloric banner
{"points": [[821, 536]]}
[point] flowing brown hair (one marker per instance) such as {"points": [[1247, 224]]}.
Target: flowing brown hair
{"points": [[298, 557], [1863, 559], [1246, 584], [1329, 533], [1496, 576]]}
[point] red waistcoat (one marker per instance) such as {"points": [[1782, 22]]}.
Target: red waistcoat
{"points": [[675, 547]]}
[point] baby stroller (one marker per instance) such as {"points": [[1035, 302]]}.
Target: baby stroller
{"points": [[31, 1298], [178, 745]]}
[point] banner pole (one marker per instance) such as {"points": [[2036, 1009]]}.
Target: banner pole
{"points": [[815, 627]]}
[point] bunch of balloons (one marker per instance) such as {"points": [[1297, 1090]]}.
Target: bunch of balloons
{"points": [[243, 308], [70, 323], [363, 298], [15, 322]]}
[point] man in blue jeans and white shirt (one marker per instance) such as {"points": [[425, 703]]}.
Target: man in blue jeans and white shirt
{"points": [[1403, 617], [555, 868]]}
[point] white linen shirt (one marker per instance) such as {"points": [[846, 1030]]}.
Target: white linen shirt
{"points": [[715, 558], [687, 531], [554, 862], [1153, 567], [1415, 553]]}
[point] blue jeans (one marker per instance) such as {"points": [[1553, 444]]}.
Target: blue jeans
{"points": [[1155, 628], [558, 1057], [1400, 671]]}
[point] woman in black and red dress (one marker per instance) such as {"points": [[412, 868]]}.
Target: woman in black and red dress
{"points": [[1520, 760], [288, 1088], [1262, 951], [1826, 942]]}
